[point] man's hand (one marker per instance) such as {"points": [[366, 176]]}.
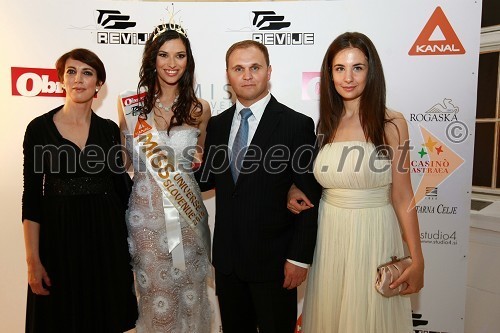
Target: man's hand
{"points": [[294, 275], [297, 201]]}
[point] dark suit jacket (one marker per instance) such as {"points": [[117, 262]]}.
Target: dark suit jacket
{"points": [[254, 231]]}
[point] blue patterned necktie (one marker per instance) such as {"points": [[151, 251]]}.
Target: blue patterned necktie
{"points": [[240, 144]]}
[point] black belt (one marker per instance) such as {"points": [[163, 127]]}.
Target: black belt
{"points": [[77, 186]]}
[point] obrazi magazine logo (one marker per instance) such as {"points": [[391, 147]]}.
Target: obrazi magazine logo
{"points": [[437, 37], [30, 82]]}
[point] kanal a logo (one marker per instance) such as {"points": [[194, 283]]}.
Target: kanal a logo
{"points": [[437, 37], [141, 127]]}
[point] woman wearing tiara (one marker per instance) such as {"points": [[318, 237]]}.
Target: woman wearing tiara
{"points": [[169, 238]]}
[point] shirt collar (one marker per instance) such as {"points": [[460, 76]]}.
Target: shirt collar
{"points": [[257, 107]]}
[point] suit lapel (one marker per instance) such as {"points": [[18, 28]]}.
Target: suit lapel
{"points": [[270, 119], [267, 125]]}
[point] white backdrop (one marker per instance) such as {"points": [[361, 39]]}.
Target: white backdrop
{"points": [[432, 82]]}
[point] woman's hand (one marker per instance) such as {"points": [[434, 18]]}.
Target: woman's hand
{"points": [[413, 276], [37, 277], [297, 201]]}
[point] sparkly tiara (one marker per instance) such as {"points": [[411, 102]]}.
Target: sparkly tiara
{"points": [[170, 26]]}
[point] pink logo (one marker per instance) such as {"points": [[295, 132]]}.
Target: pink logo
{"points": [[310, 86]]}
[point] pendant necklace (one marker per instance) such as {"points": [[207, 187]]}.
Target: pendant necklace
{"points": [[166, 108]]}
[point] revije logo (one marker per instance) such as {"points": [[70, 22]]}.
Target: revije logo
{"points": [[113, 19], [109, 19], [267, 20]]}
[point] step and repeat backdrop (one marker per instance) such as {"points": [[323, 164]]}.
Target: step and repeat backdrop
{"points": [[429, 50]]}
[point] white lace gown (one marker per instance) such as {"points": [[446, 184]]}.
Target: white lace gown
{"points": [[170, 300], [358, 230]]}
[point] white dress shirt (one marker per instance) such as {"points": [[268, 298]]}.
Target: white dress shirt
{"points": [[253, 122]]}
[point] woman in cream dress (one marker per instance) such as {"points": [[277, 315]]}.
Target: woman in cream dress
{"points": [[364, 214]]}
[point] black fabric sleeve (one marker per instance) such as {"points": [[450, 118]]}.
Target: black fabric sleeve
{"points": [[306, 223], [33, 177]]}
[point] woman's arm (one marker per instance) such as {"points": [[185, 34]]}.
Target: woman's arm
{"points": [[402, 199], [32, 208], [123, 129], [37, 276], [202, 126]]}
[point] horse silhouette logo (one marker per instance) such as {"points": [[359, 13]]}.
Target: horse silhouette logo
{"points": [[445, 107]]}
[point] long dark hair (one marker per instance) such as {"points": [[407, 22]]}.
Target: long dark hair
{"points": [[187, 108], [372, 107]]}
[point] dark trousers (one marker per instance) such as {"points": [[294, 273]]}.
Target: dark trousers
{"points": [[251, 307]]}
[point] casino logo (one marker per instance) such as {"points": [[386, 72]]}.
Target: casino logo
{"points": [[436, 163]]}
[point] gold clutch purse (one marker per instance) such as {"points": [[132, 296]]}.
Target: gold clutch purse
{"points": [[390, 272]]}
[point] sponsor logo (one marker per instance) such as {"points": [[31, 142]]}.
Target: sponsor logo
{"points": [[431, 192], [417, 320], [310, 85], [113, 19], [268, 20], [32, 82], [436, 163], [437, 37], [439, 112], [439, 209], [111, 25], [439, 237], [132, 103], [267, 28]]}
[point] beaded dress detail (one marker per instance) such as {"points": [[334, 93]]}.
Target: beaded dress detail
{"points": [[170, 300]]}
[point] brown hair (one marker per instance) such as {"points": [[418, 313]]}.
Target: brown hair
{"points": [[86, 56], [372, 107], [244, 44], [183, 109]]}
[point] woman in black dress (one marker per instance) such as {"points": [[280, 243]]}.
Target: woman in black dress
{"points": [[79, 273]]}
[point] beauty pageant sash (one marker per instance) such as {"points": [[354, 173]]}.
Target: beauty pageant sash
{"points": [[179, 199]]}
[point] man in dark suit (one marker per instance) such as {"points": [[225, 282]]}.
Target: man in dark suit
{"points": [[254, 152]]}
